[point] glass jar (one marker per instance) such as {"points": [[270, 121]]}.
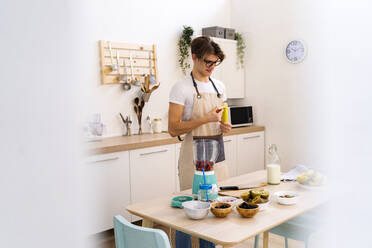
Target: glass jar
{"points": [[156, 125], [273, 165], [205, 192]]}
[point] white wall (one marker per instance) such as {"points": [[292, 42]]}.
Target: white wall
{"points": [[158, 22], [288, 99], [318, 111], [38, 101]]}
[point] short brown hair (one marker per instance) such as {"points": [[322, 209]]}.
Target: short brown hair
{"points": [[203, 45]]}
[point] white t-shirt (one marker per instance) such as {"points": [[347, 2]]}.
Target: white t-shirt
{"points": [[183, 93]]}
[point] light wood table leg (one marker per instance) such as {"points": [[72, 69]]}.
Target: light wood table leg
{"points": [[266, 239], [194, 242], [147, 223]]}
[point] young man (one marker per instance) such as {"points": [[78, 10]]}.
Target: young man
{"points": [[195, 110]]}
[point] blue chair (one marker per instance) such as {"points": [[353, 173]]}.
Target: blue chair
{"points": [[300, 228], [128, 235]]}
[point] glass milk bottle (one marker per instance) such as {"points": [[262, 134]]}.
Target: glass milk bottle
{"points": [[273, 165]]}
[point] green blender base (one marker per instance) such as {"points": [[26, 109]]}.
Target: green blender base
{"points": [[199, 179]]}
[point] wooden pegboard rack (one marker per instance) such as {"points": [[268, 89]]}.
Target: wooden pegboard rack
{"points": [[143, 57]]}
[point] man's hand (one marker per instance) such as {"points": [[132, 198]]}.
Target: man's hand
{"points": [[225, 127], [213, 116]]}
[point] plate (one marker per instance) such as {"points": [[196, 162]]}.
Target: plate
{"points": [[227, 199], [308, 187], [263, 206]]}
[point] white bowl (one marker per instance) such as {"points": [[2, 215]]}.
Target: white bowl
{"points": [[196, 210], [227, 199], [284, 200]]}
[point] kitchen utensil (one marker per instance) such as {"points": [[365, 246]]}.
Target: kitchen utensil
{"points": [[122, 78], [178, 200], [205, 152], [147, 84], [247, 210], [286, 197], [139, 104], [126, 85], [113, 65], [143, 87], [196, 209], [118, 64], [136, 109], [152, 78], [221, 209], [142, 104], [154, 88], [134, 79], [263, 206], [127, 121], [241, 188], [227, 199], [146, 97], [122, 118]]}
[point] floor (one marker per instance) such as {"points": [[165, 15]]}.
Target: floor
{"points": [[107, 240]]}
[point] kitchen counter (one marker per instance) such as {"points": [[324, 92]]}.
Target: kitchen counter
{"points": [[125, 143]]}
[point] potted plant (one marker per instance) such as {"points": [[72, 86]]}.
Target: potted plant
{"points": [[240, 49], [183, 46]]}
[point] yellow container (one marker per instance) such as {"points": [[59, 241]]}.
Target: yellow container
{"points": [[225, 115]]}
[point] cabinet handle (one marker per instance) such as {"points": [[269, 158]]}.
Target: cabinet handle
{"points": [[227, 141], [104, 159], [148, 153], [251, 137]]}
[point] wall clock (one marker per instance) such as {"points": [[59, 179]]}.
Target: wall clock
{"points": [[295, 51]]}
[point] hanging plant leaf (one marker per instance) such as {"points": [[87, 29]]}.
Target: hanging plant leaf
{"points": [[183, 46], [240, 50]]}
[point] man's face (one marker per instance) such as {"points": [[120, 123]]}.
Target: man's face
{"points": [[206, 65]]}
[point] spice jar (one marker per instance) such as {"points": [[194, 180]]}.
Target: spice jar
{"points": [[273, 166], [157, 125], [205, 192]]}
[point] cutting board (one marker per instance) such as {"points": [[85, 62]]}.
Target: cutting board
{"points": [[237, 193]]}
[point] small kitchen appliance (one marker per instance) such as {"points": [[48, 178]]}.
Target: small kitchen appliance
{"points": [[240, 116], [205, 155]]}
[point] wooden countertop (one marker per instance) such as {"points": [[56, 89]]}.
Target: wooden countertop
{"points": [[125, 143]]}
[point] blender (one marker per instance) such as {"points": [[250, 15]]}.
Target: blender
{"points": [[205, 154]]}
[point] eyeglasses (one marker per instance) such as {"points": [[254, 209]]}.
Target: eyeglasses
{"points": [[210, 63]]}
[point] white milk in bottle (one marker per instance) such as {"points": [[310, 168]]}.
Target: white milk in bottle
{"points": [[273, 166]]}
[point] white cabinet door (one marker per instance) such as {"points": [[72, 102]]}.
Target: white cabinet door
{"points": [[230, 154], [105, 190], [152, 172], [228, 72], [250, 152], [178, 149]]}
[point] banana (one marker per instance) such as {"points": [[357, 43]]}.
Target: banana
{"points": [[309, 173], [302, 178]]}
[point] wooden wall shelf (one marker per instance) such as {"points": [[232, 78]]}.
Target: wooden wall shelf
{"points": [[144, 62]]}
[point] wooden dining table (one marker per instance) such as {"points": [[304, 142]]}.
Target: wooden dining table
{"points": [[232, 229]]}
